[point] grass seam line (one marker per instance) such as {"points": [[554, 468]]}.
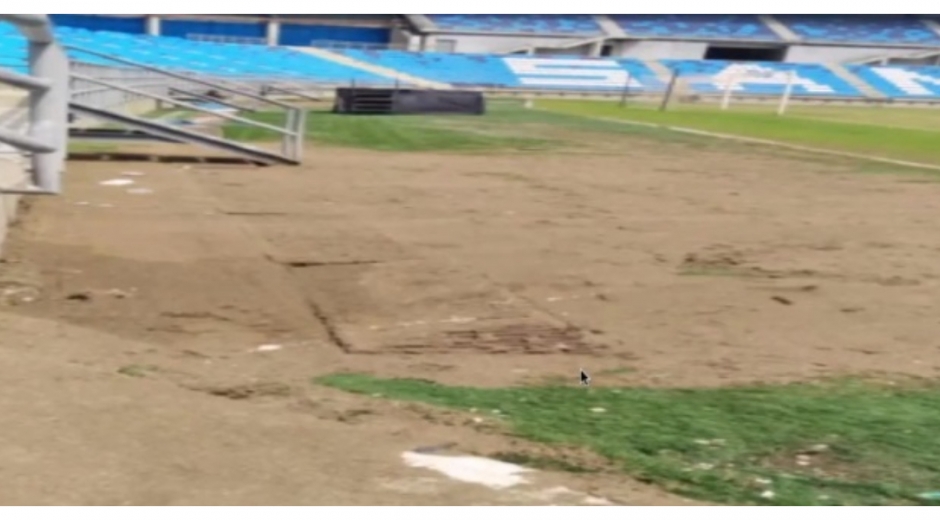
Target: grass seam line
{"points": [[756, 140]]}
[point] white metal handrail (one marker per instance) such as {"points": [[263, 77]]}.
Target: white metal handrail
{"points": [[47, 84], [140, 80]]}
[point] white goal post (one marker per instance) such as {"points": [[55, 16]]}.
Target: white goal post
{"points": [[732, 81], [725, 85]]}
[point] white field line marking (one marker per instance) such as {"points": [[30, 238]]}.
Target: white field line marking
{"points": [[491, 473], [767, 142]]}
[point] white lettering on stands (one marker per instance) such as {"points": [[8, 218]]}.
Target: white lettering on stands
{"points": [[559, 72], [744, 75], [908, 81]]}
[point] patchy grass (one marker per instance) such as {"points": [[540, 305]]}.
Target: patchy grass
{"points": [[617, 371], [392, 133], [137, 370], [827, 443], [91, 147], [799, 127], [535, 461], [922, 117], [506, 126]]}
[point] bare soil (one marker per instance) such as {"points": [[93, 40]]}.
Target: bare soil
{"points": [[131, 321]]}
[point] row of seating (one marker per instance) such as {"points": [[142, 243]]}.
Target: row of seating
{"points": [[519, 23], [808, 79], [872, 29], [901, 82], [196, 56], [703, 76], [919, 30], [477, 70], [732, 27]]}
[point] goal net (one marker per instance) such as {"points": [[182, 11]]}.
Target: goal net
{"points": [[760, 85]]}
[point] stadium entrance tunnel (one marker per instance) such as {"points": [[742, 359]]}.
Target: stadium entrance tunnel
{"points": [[745, 53]]}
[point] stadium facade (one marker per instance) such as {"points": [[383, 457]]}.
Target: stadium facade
{"points": [[849, 57], [769, 38]]}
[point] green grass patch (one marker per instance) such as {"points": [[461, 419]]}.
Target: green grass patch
{"points": [[91, 147], [541, 462], [137, 370], [912, 144], [924, 118], [394, 133], [505, 126], [847, 442]]}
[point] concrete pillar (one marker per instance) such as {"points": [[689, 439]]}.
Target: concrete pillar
{"points": [[596, 48], [153, 25], [429, 43], [273, 32]]}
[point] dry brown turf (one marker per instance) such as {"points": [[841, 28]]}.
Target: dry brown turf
{"points": [[130, 321]]}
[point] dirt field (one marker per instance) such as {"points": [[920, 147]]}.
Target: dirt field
{"points": [[132, 320]]}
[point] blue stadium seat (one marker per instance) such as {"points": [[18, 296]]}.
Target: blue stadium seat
{"points": [[457, 69], [514, 71], [195, 56], [12, 48], [725, 26], [901, 81], [761, 78], [518, 23], [880, 29]]}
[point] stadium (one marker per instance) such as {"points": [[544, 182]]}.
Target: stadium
{"points": [[453, 259]]}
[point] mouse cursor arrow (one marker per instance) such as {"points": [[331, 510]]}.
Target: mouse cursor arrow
{"points": [[585, 378]]}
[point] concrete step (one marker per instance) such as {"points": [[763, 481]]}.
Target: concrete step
{"points": [[663, 73], [934, 26], [779, 28], [867, 90], [421, 22], [172, 132], [610, 27], [375, 69]]}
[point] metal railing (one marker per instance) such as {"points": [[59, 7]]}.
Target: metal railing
{"points": [[219, 38], [48, 85], [363, 46], [125, 81], [113, 99]]}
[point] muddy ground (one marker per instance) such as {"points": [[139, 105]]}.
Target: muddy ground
{"points": [[131, 320]]}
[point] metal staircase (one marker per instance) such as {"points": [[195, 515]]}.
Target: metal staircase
{"points": [[168, 133], [118, 95]]}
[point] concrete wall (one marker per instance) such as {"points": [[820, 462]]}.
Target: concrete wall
{"points": [[658, 50], [580, 50], [495, 44], [816, 54], [400, 38], [12, 164]]}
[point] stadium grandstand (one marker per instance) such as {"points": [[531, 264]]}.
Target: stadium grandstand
{"points": [[840, 57]]}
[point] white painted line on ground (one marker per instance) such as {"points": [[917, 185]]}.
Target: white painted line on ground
{"points": [[476, 470], [116, 182], [755, 140]]}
